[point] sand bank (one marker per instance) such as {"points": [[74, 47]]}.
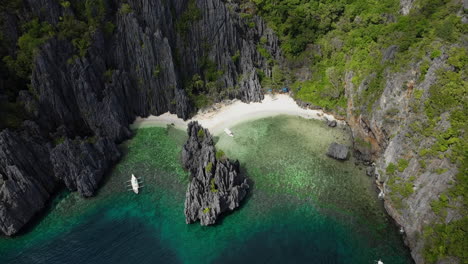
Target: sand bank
{"points": [[230, 113]]}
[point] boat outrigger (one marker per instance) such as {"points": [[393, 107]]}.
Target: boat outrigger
{"points": [[134, 184], [229, 132]]}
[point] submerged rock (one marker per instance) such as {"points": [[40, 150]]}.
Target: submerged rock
{"points": [[338, 151], [216, 185], [331, 123], [370, 171]]}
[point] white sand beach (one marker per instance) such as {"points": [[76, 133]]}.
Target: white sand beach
{"points": [[230, 113]]}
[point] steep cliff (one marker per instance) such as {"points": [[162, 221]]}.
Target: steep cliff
{"points": [[216, 185], [93, 67], [392, 135], [396, 71]]}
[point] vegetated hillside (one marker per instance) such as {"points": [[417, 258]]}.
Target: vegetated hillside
{"points": [[398, 72], [75, 74]]}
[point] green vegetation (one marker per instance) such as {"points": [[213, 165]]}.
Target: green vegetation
{"points": [[220, 154], [201, 133], [350, 36], [440, 206], [213, 186], [263, 51], [440, 170], [108, 75], [204, 89], [91, 140], [11, 5], [235, 57], [206, 210], [65, 4], [80, 29], [390, 170], [418, 94], [399, 187], [349, 39], [191, 14], [402, 164], [58, 141], [157, 71], [362, 143], [444, 240], [125, 9], [209, 167], [12, 115], [35, 34], [448, 94], [435, 54]]}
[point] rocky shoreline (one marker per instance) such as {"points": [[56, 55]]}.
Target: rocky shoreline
{"points": [[80, 107], [216, 185]]}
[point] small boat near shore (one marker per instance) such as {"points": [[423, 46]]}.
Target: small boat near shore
{"points": [[134, 184], [228, 132]]}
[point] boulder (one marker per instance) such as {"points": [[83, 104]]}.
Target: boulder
{"points": [[331, 123], [338, 151]]}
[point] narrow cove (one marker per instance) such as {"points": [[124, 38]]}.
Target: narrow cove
{"points": [[303, 207]]}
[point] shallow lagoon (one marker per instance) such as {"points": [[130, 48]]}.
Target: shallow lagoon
{"points": [[303, 207]]}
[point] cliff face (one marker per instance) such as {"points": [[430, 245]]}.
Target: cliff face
{"points": [[216, 185], [160, 57], [26, 183], [388, 137]]}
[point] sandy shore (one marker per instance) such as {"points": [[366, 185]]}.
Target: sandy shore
{"points": [[228, 114]]}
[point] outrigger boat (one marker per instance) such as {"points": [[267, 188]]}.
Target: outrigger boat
{"points": [[229, 132], [134, 184]]}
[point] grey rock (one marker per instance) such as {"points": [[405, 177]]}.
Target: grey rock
{"points": [[27, 182], [389, 53], [331, 123], [406, 6], [82, 165], [370, 171], [216, 185], [102, 92], [338, 151]]}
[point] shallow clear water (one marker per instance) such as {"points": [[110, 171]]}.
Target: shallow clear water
{"points": [[303, 207]]}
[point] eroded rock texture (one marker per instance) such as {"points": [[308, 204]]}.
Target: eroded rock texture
{"points": [[82, 104], [24, 177], [82, 165], [216, 185]]}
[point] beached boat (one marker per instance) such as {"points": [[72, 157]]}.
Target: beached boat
{"points": [[229, 132]]}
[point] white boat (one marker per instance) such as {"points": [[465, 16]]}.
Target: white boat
{"points": [[379, 262], [134, 184], [229, 132]]}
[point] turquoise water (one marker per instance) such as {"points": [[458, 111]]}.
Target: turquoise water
{"points": [[303, 207]]}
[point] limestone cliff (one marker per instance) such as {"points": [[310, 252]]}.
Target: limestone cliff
{"points": [[216, 185], [130, 59]]}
